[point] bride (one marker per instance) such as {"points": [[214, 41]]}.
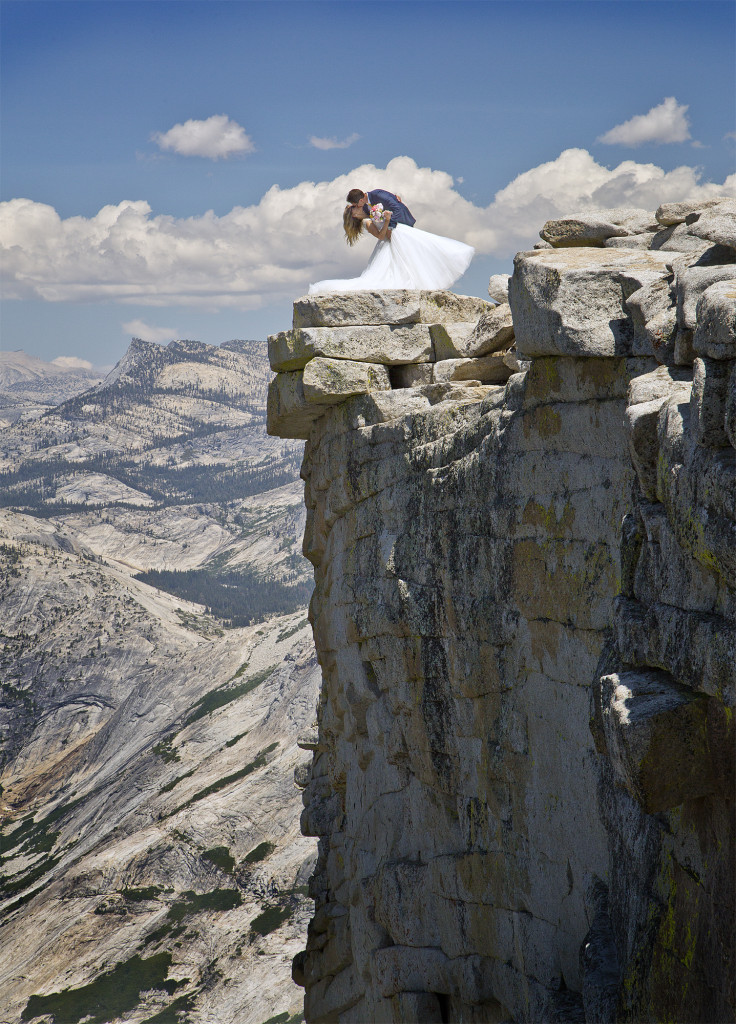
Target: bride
{"points": [[404, 257]]}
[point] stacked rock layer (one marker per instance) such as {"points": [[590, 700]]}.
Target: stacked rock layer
{"points": [[370, 342], [525, 614]]}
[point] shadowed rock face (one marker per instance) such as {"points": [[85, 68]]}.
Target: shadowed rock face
{"points": [[525, 614]]}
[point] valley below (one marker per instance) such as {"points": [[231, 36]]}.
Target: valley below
{"points": [[157, 671]]}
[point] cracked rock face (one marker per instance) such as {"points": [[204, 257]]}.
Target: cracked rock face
{"points": [[525, 613], [447, 658]]}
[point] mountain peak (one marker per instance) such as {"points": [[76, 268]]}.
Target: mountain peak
{"points": [[18, 366]]}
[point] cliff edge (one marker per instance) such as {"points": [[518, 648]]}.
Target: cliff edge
{"points": [[522, 521]]}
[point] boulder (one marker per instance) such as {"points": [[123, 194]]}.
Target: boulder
{"points": [[715, 333], [692, 282], [380, 343], [491, 333], [717, 224], [633, 218], [335, 380], [652, 302], [498, 287], [288, 414], [490, 369], [332, 995], [660, 335], [405, 968], [654, 296], [678, 239], [384, 406], [386, 307], [660, 383], [583, 230], [677, 213], [641, 241], [450, 341], [571, 301]]}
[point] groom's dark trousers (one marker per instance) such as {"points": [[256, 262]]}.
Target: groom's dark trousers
{"points": [[400, 214]]}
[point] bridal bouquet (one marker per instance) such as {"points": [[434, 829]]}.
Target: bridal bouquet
{"points": [[377, 214]]}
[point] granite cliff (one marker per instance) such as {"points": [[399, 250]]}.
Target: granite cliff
{"points": [[522, 521]]}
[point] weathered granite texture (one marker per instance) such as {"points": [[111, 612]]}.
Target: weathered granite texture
{"points": [[423, 337], [525, 614]]}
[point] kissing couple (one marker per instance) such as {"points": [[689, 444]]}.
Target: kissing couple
{"points": [[404, 256]]}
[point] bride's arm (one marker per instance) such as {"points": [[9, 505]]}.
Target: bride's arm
{"points": [[385, 233]]}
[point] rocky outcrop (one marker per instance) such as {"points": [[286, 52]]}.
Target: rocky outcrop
{"points": [[345, 345], [525, 615]]}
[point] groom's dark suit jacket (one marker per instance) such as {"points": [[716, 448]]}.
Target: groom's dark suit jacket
{"points": [[400, 214]]}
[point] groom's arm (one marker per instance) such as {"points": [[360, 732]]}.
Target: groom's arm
{"points": [[389, 200], [401, 213]]}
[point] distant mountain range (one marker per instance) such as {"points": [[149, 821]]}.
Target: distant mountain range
{"points": [[18, 367], [156, 668], [163, 465], [29, 386]]}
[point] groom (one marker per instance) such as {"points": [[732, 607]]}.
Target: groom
{"points": [[400, 213]]}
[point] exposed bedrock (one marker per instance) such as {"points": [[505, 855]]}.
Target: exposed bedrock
{"points": [[525, 613]]}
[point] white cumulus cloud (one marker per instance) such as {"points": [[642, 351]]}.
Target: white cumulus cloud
{"points": [[333, 143], [140, 329], [217, 137], [666, 122], [270, 251], [72, 363]]}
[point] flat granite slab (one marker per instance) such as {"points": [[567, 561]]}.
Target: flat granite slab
{"points": [[377, 343], [327, 381], [343, 309]]}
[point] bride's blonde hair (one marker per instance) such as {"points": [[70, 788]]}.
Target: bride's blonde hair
{"points": [[353, 225]]}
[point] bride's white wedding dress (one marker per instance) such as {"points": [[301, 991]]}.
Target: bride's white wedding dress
{"points": [[410, 259]]}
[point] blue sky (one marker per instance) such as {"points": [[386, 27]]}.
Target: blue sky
{"points": [[498, 107]]}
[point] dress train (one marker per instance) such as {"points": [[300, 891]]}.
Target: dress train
{"points": [[412, 258]]}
